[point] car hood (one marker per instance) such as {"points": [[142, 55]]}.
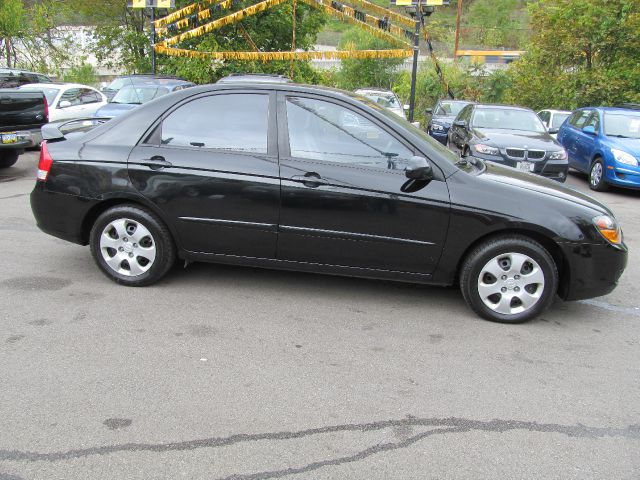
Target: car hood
{"points": [[111, 110], [631, 145], [541, 185], [502, 138], [446, 120]]}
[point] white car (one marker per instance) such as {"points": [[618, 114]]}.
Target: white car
{"points": [[552, 119], [69, 100], [386, 99]]}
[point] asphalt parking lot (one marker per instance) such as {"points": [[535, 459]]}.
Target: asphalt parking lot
{"points": [[224, 372]]}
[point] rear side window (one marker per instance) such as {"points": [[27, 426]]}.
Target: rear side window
{"points": [[237, 122], [72, 96], [89, 96]]}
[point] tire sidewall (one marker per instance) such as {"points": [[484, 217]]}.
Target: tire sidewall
{"points": [[8, 158], [601, 185], [537, 253], [163, 247]]}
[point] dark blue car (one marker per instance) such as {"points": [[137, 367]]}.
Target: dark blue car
{"points": [[442, 116], [605, 143]]}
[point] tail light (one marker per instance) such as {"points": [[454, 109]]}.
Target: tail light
{"points": [[44, 165]]}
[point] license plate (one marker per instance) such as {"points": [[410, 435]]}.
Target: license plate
{"points": [[526, 166], [9, 137]]}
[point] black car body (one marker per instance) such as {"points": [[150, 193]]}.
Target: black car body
{"points": [[311, 179], [442, 116], [22, 114], [511, 136]]}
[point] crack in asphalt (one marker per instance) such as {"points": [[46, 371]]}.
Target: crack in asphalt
{"points": [[440, 425]]}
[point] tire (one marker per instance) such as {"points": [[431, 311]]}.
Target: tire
{"points": [[8, 158], [132, 246], [526, 291], [596, 176]]}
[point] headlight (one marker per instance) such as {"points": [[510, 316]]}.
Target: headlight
{"points": [[608, 228], [486, 149], [437, 127], [559, 155], [624, 157]]}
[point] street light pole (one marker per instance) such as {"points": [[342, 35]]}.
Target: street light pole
{"points": [[414, 70]]}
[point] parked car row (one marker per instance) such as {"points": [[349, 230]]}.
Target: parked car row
{"points": [[602, 142]]}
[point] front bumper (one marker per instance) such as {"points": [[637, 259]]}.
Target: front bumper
{"points": [[593, 269], [622, 176], [553, 169], [439, 135]]}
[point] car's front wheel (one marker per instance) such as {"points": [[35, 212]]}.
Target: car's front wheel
{"points": [[596, 176], [132, 246], [510, 280]]}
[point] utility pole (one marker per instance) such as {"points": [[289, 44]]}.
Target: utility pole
{"points": [[153, 40], [458, 15], [416, 52]]}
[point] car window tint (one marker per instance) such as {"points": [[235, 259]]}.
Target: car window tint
{"points": [[237, 122], [593, 121], [89, 96], [320, 130], [558, 119], [72, 95], [579, 117], [545, 116]]}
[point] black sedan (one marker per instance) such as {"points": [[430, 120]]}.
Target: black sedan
{"points": [[442, 116], [507, 135], [302, 178]]}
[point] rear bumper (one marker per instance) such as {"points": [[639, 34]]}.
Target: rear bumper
{"points": [[26, 139], [594, 270], [46, 207]]}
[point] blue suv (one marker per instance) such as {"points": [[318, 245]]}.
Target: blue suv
{"points": [[605, 143]]}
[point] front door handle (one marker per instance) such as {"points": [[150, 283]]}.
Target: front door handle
{"points": [[156, 163], [310, 179]]}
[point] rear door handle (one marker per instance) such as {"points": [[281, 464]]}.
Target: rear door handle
{"points": [[310, 179], [156, 163]]}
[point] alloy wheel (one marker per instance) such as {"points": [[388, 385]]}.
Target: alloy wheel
{"points": [[596, 174]]}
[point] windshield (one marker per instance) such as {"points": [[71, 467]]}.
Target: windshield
{"points": [[622, 124], [450, 108], [508, 119], [49, 93], [138, 94], [384, 99], [558, 118]]}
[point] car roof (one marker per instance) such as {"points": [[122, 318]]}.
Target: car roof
{"points": [[551, 110], [58, 85], [502, 106], [255, 77], [611, 109]]}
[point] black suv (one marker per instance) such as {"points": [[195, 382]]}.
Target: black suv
{"points": [[508, 135], [12, 78]]}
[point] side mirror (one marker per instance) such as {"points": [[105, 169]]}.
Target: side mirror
{"points": [[553, 130], [406, 107], [64, 104], [419, 169], [589, 130], [429, 111], [460, 123]]}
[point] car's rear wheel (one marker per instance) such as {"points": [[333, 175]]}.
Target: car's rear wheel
{"points": [[132, 246], [596, 176], [8, 158], [510, 280]]}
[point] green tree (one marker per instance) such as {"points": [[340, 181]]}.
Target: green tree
{"points": [[82, 73], [582, 52], [497, 23], [368, 72]]}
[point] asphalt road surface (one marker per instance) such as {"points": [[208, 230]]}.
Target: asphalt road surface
{"points": [[224, 372]]}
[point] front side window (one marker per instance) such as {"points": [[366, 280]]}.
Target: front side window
{"points": [[237, 122], [89, 96], [579, 117], [558, 119], [324, 131], [593, 121], [544, 116], [72, 96]]}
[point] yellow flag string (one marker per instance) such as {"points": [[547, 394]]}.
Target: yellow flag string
{"points": [[285, 56], [183, 12]]}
